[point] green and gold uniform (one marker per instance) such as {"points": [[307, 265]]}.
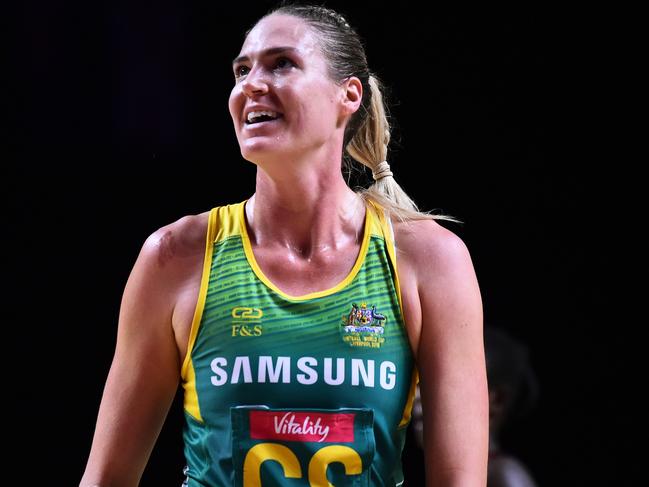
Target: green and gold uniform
{"points": [[312, 390]]}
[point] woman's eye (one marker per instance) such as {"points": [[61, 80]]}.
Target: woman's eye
{"points": [[240, 71], [280, 63], [283, 62]]}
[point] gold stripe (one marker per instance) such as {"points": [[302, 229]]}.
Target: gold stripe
{"points": [[229, 221], [376, 228], [390, 243], [187, 369], [369, 218], [191, 396], [407, 411]]}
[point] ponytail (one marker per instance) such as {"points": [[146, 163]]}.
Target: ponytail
{"points": [[369, 146]]}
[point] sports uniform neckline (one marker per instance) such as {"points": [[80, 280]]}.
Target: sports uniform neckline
{"points": [[252, 261]]}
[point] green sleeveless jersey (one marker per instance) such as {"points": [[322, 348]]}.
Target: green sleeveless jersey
{"points": [[312, 390]]}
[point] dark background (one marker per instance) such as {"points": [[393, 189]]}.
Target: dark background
{"points": [[119, 125]]}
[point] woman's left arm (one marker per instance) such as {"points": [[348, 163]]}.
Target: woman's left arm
{"points": [[451, 363]]}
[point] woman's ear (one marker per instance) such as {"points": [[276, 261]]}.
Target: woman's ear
{"points": [[352, 90]]}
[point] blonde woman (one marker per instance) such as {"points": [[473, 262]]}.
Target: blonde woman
{"points": [[299, 321]]}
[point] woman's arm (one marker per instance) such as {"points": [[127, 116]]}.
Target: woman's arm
{"points": [[143, 377], [451, 363]]}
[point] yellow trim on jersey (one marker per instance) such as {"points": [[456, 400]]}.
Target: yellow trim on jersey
{"points": [[375, 228], [367, 230], [390, 241], [187, 369], [407, 411], [191, 396], [391, 245], [229, 221]]}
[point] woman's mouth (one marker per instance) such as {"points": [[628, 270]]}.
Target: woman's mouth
{"points": [[260, 117]]}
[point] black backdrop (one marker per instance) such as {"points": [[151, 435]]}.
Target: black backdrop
{"points": [[121, 126]]}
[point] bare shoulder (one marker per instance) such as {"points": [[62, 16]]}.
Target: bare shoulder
{"points": [[436, 276], [172, 244], [165, 278], [429, 248], [169, 258]]}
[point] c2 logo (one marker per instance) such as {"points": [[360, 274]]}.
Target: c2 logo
{"points": [[245, 313]]}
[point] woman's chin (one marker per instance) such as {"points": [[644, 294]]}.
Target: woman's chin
{"points": [[258, 152]]}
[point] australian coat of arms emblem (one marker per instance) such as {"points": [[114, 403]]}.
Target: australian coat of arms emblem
{"points": [[363, 326]]}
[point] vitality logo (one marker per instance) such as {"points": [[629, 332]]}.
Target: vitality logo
{"points": [[311, 426]]}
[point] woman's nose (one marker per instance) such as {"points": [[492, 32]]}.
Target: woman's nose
{"points": [[255, 83]]}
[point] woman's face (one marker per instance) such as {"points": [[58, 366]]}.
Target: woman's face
{"points": [[293, 83]]}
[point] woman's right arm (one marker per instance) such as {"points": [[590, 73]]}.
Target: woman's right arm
{"points": [[144, 374]]}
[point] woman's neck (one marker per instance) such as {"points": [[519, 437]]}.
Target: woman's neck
{"points": [[304, 214]]}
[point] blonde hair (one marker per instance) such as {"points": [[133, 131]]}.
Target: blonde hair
{"points": [[369, 146]]}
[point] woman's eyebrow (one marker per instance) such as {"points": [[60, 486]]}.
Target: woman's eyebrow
{"points": [[266, 52]]}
